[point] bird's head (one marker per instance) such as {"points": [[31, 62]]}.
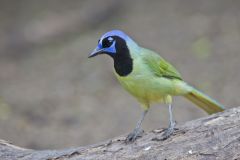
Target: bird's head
{"points": [[114, 43]]}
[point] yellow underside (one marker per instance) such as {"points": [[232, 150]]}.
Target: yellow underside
{"points": [[148, 88]]}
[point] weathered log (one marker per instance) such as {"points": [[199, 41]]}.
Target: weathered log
{"points": [[213, 137]]}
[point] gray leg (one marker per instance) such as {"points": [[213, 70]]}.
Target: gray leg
{"points": [[137, 131], [169, 131]]}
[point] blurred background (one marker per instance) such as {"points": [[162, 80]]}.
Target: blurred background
{"points": [[52, 96]]}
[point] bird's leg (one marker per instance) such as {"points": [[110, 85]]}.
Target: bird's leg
{"points": [[137, 131], [169, 131]]}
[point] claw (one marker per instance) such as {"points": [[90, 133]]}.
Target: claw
{"points": [[137, 132], [169, 131], [134, 135]]}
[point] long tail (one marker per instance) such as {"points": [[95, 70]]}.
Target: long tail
{"points": [[203, 101]]}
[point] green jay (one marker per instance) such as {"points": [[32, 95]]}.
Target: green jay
{"points": [[149, 78]]}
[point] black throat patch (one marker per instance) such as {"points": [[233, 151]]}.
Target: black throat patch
{"points": [[123, 63]]}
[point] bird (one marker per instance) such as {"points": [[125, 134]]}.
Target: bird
{"points": [[149, 78]]}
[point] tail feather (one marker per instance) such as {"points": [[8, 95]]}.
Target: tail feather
{"points": [[203, 101]]}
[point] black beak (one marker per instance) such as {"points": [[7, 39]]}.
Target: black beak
{"points": [[95, 52]]}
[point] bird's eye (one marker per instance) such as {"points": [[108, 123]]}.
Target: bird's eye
{"points": [[107, 42]]}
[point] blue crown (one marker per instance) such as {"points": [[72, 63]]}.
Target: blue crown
{"points": [[116, 33]]}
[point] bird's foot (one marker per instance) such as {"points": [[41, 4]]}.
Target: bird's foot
{"points": [[134, 135], [169, 131]]}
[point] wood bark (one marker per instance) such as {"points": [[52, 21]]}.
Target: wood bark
{"points": [[213, 137]]}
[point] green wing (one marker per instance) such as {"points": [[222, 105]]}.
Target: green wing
{"points": [[159, 66]]}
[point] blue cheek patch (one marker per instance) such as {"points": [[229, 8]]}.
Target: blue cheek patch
{"points": [[111, 49], [99, 46]]}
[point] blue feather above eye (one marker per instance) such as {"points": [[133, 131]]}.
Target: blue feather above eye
{"points": [[115, 33]]}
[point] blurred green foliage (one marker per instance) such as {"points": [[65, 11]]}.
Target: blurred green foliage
{"points": [[202, 48], [5, 110]]}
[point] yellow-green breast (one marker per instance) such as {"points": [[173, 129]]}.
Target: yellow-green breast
{"points": [[144, 85]]}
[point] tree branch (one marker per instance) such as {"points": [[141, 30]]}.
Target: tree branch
{"points": [[213, 137]]}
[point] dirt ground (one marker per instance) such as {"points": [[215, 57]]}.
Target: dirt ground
{"points": [[52, 96]]}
